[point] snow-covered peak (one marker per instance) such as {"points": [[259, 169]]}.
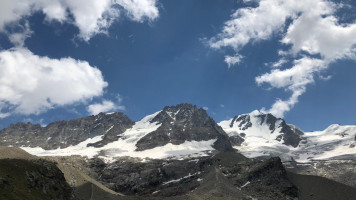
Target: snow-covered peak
{"points": [[252, 127], [256, 113], [335, 142], [334, 131], [337, 128], [261, 131]]}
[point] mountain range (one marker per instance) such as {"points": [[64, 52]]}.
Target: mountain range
{"points": [[180, 149], [181, 130]]}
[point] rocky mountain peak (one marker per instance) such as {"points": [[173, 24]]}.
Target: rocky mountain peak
{"points": [[184, 122], [244, 121], [181, 112]]}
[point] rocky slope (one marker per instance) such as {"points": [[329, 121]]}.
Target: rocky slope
{"points": [[226, 175], [318, 188], [342, 171]]}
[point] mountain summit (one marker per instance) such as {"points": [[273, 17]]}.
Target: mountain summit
{"points": [[262, 127], [184, 122]]}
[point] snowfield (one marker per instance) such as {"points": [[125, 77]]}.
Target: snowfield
{"points": [[333, 142]]}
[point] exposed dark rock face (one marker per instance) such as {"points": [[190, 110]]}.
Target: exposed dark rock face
{"points": [[289, 134], [271, 175], [65, 133], [184, 122], [32, 179], [136, 178], [236, 140], [242, 177], [243, 120]]}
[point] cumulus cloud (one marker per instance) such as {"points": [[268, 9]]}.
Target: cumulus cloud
{"points": [[90, 16], [105, 106], [260, 23], [318, 34], [309, 27], [30, 84]]}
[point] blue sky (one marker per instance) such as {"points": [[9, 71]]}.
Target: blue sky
{"points": [[62, 60]]}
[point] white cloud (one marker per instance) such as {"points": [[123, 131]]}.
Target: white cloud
{"points": [[251, 24], [313, 29], [105, 106], [12, 11], [205, 108], [232, 60], [325, 78], [139, 10], [260, 23], [30, 84], [279, 63], [294, 79], [317, 34], [90, 16], [18, 38]]}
